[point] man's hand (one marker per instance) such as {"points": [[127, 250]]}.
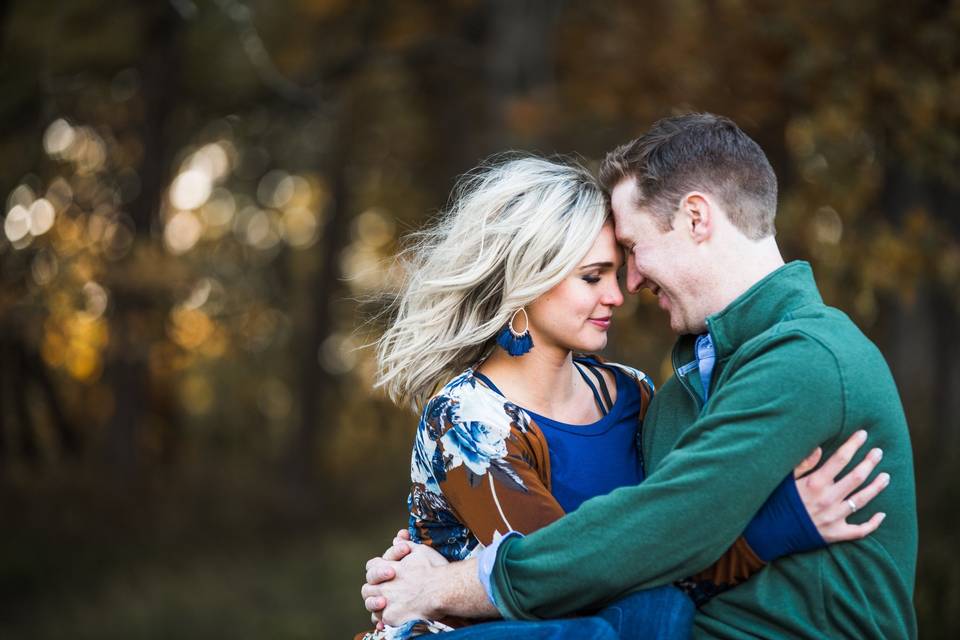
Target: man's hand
{"points": [[830, 503], [394, 590]]}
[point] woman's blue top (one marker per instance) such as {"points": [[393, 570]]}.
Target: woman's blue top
{"points": [[588, 460]]}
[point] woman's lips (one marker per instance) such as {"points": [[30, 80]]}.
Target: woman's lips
{"points": [[603, 323]]}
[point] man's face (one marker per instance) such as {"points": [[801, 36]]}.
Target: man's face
{"points": [[664, 262]]}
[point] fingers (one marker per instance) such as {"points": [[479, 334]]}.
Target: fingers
{"points": [[838, 530], [379, 571], [808, 463], [403, 534], [852, 481], [856, 531], [397, 551], [862, 498], [840, 459], [375, 603], [840, 510]]}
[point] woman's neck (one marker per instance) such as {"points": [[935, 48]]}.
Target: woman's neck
{"points": [[542, 380]]}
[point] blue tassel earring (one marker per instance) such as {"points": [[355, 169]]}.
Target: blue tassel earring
{"points": [[516, 344]]}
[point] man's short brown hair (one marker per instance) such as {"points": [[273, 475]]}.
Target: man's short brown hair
{"points": [[698, 151]]}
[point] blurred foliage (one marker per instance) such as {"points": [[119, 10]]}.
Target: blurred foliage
{"points": [[199, 193]]}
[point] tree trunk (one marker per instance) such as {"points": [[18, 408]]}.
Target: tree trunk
{"points": [[316, 383], [127, 370], [28, 438]]}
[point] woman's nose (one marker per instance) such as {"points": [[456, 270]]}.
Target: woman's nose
{"points": [[613, 297]]}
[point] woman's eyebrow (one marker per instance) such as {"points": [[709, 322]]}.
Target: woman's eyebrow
{"points": [[594, 265]]}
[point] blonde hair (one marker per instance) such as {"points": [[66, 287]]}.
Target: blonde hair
{"points": [[515, 228]]}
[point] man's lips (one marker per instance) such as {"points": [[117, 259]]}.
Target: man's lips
{"points": [[662, 301]]}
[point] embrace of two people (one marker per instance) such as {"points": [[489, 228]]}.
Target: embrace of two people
{"points": [[556, 495]]}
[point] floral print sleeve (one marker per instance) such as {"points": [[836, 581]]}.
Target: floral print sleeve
{"points": [[480, 468]]}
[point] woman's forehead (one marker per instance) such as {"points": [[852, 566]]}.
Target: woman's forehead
{"points": [[605, 249]]}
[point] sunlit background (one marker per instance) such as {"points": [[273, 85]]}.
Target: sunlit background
{"points": [[201, 199]]}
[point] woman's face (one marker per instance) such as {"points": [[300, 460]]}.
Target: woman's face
{"points": [[576, 314]]}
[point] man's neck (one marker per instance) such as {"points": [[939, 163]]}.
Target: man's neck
{"points": [[742, 267]]}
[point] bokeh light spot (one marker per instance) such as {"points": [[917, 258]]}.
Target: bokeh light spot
{"points": [[827, 226], [17, 224], [190, 189], [374, 228], [190, 327], [44, 267], [338, 353], [211, 160], [58, 138], [42, 215], [22, 195], [276, 188], [182, 232], [300, 227], [96, 299]]}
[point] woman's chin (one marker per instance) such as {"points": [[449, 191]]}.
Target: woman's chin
{"points": [[590, 346]]}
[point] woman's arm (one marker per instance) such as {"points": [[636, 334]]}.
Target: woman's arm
{"points": [[493, 474]]}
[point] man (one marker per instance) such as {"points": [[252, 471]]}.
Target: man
{"points": [[764, 373]]}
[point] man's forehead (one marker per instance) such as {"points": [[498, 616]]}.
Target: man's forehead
{"points": [[623, 238], [623, 193], [622, 202]]}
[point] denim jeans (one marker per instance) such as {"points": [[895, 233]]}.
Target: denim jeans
{"points": [[664, 613]]}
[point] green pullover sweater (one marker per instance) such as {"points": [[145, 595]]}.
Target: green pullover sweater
{"points": [[791, 374]]}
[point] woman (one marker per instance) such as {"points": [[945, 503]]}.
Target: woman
{"points": [[518, 276]]}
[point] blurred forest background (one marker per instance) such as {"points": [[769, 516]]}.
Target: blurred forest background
{"points": [[197, 194]]}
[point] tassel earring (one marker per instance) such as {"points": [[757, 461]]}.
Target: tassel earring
{"points": [[516, 344]]}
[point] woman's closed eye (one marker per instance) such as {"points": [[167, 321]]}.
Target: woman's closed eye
{"points": [[591, 279]]}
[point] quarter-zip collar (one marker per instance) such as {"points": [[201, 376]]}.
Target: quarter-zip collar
{"points": [[771, 300]]}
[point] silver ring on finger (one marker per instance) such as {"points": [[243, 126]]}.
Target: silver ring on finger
{"points": [[852, 505]]}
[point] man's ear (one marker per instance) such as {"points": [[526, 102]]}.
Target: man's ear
{"points": [[698, 216]]}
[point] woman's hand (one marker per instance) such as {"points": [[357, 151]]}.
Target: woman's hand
{"points": [[830, 503], [383, 569], [405, 600]]}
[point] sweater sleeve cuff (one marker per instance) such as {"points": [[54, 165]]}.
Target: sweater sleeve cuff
{"points": [[783, 526], [488, 559]]}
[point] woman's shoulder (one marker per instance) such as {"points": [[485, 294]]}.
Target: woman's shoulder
{"points": [[467, 400], [466, 388]]}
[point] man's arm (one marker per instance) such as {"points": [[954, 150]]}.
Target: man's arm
{"points": [[824, 494], [763, 420]]}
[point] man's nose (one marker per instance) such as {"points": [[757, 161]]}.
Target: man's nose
{"points": [[634, 278]]}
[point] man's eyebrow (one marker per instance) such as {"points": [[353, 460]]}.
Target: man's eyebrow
{"points": [[594, 265]]}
